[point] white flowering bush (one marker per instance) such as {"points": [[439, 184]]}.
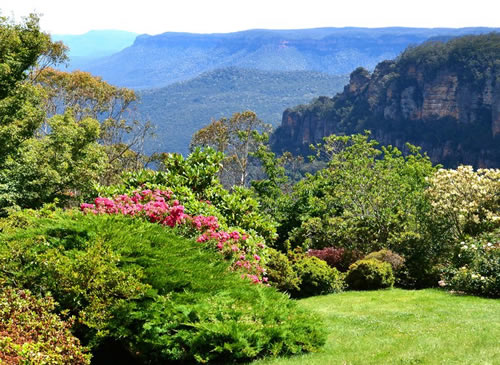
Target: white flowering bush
{"points": [[468, 200], [477, 266]]}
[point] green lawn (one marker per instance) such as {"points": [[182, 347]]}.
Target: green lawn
{"points": [[404, 327]]}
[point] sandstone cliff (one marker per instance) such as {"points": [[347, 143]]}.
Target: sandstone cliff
{"points": [[444, 97]]}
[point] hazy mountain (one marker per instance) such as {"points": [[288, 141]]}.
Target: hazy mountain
{"points": [[444, 97], [155, 61], [180, 109], [94, 44]]}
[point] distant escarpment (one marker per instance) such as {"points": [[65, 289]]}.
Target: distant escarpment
{"points": [[160, 60], [444, 97]]}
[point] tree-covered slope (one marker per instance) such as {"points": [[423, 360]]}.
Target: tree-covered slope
{"points": [[180, 109], [156, 61]]}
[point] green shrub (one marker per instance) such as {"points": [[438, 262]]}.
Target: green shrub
{"points": [[370, 274], [316, 277], [477, 269], [30, 333], [280, 272], [157, 295]]}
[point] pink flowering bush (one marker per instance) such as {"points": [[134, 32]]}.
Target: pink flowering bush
{"points": [[157, 206]]}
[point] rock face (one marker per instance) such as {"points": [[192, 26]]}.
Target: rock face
{"points": [[444, 97]]}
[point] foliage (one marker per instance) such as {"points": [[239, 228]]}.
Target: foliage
{"points": [[169, 298], [388, 256], [30, 333], [242, 251], [194, 183], [24, 51], [90, 97], [237, 137], [64, 165], [315, 276], [280, 272], [370, 274], [365, 199], [476, 267], [467, 200], [368, 198], [339, 258]]}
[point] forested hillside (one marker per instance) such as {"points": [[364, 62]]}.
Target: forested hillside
{"points": [[182, 108]]}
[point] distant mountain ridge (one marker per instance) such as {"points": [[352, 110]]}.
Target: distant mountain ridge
{"points": [[156, 61], [94, 44], [180, 109], [444, 97]]}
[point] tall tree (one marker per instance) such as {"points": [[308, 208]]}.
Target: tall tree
{"points": [[237, 137], [89, 96], [24, 52]]}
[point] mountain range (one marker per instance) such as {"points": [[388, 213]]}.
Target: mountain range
{"points": [[95, 44], [159, 60]]}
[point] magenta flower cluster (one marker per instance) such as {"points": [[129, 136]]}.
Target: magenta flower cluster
{"points": [[158, 207]]}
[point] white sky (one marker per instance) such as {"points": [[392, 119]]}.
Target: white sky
{"points": [[209, 16]]}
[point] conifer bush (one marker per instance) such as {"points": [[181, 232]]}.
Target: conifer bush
{"points": [[158, 295]]}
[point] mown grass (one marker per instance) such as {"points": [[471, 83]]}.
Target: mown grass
{"points": [[404, 327]]}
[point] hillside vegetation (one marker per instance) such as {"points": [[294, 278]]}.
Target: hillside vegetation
{"points": [[183, 108]]}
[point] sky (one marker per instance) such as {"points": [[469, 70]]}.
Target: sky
{"points": [[221, 16]]}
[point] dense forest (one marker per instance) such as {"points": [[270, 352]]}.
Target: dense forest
{"points": [[202, 259]]}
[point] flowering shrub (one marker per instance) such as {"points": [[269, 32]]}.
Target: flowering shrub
{"points": [[467, 199], [156, 206], [478, 262], [31, 334]]}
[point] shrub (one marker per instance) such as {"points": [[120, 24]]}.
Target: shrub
{"points": [[155, 294], [316, 277], [370, 274], [339, 258], [194, 183], [478, 266], [468, 200], [397, 262], [280, 272], [30, 333]]}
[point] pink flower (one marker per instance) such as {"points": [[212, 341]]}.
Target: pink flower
{"points": [[256, 257]]}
